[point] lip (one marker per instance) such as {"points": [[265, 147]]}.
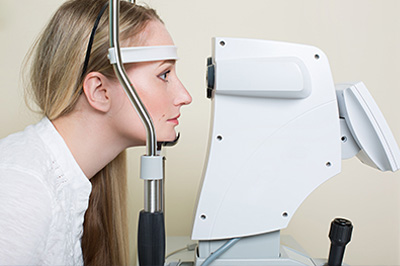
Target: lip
{"points": [[174, 120]]}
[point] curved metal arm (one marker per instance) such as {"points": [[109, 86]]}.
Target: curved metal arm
{"points": [[153, 192], [119, 70], [151, 230]]}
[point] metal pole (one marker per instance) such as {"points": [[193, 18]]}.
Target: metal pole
{"points": [[153, 188], [124, 80], [151, 229]]}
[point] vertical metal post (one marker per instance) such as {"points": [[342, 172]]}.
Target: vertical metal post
{"points": [[152, 192], [151, 231]]}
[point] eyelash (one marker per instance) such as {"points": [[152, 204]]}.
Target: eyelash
{"points": [[164, 75]]}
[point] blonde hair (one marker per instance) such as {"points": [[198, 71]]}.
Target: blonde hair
{"points": [[55, 82]]}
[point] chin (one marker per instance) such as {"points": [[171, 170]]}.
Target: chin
{"points": [[167, 137]]}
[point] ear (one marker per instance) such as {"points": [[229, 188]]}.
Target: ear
{"points": [[96, 92]]}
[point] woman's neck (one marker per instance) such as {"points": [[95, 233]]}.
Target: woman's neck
{"points": [[90, 141]]}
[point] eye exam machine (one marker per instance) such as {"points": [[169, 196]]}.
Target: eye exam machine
{"points": [[295, 128], [280, 128]]}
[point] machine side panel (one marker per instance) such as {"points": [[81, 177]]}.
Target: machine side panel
{"points": [[266, 154]]}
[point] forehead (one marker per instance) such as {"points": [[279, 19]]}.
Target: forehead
{"points": [[155, 33]]}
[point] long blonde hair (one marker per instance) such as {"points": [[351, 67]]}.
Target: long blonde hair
{"points": [[55, 82]]}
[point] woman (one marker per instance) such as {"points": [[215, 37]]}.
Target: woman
{"points": [[63, 180]]}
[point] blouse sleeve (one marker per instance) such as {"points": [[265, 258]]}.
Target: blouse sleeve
{"points": [[25, 217]]}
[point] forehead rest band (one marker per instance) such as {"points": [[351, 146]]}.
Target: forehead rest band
{"points": [[144, 54]]}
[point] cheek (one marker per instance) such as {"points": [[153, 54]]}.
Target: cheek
{"points": [[155, 97], [160, 111], [156, 104], [148, 92]]}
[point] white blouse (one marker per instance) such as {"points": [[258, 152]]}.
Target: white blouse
{"points": [[43, 199]]}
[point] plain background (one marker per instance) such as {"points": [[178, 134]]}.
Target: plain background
{"points": [[360, 37]]}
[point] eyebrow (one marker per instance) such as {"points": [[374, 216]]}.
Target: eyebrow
{"points": [[170, 61]]}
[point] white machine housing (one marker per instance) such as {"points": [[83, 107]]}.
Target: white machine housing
{"points": [[279, 129], [275, 136]]}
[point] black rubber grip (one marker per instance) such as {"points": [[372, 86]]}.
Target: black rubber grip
{"points": [[340, 236], [151, 239]]}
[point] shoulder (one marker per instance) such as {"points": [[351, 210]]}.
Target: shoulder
{"points": [[24, 168], [25, 165], [25, 151]]}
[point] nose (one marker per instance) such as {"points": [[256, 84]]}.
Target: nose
{"points": [[182, 95]]}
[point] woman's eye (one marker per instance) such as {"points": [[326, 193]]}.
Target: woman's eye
{"points": [[164, 76]]}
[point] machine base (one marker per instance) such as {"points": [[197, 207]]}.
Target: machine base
{"points": [[287, 256]]}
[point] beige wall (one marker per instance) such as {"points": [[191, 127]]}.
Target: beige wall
{"points": [[362, 40]]}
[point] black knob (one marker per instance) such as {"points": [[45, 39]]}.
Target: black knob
{"points": [[340, 236], [210, 77], [209, 61]]}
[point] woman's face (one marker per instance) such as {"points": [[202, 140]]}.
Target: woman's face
{"points": [[160, 90]]}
